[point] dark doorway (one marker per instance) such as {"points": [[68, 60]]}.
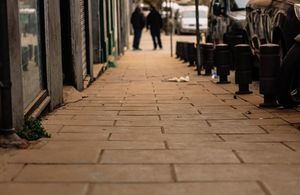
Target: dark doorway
{"points": [[66, 43]]}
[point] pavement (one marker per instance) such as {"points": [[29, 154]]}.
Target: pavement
{"points": [[135, 133]]}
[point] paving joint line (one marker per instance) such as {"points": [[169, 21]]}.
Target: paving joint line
{"points": [[287, 146], [163, 131], [265, 130], [264, 188], [219, 136], [238, 157], [19, 172], [166, 145], [109, 136], [90, 188], [99, 157], [208, 123], [173, 173]]}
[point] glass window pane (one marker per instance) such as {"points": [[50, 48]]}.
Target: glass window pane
{"points": [[30, 50]]}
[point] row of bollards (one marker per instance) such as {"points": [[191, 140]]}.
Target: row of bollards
{"points": [[220, 56]]}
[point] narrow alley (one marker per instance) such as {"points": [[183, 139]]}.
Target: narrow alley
{"points": [[135, 133]]}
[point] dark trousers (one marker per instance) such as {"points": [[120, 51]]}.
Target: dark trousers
{"points": [[156, 38], [290, 70], [137, 38]]}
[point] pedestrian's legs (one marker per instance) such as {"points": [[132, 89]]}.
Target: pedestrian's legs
{"points": [[136, 39], [139, 35], [159, 39], [153, 39]]}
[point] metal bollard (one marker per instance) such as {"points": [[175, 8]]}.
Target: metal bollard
{"points": [[1, 86], [185, 52], [232, 40], [269, 72], [208, 57], [177, 49], [243, 66], [180, 50], [222, 61], [191, 54]]}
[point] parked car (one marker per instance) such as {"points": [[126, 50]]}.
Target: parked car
{"points": [[277, 21], [186, 19], [273, 21], [227, 18]]}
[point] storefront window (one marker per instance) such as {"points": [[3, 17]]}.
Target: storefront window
{"points": [[30, 50]]}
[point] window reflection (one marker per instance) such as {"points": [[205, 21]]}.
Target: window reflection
{"points": [[30, 49]]}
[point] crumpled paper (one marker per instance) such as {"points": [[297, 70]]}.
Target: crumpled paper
{"points": [[180, 79]]}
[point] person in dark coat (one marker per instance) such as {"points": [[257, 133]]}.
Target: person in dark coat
{"points": [[138, 23], [155, 23]]}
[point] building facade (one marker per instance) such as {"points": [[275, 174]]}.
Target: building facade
{"points": [[46, 44]]}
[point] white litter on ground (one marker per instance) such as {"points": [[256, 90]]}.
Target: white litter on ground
{"points": [[180, 79]]}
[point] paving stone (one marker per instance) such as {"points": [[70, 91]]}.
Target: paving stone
{"points": [[263, 137], [123, 130], [79, 136], [281, 129], [234, 123], [79, 122], [165, 137], [214, 130], [216, 109], [120, 118], [195, 123], [236, 102], [8, 172], [287, 157], [77, 156], [53, 128], [228, 146], [204, 116], [160, 112], [290, 187], [98, 111], [44, 189], [224, 188], [95, 173], [86, 145], [62, 117], [294, 145], [292, 120], [237, 172], [168, 156]]}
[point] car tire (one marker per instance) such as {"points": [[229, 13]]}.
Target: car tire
{"points": [[288, 74]]}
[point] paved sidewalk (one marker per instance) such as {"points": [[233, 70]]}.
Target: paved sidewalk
{"points": [[137, 134]]}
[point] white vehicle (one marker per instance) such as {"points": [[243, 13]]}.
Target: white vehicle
{"points": [[186, 19]]}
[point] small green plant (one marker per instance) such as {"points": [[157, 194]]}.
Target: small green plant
{"points": [[33, 130]]}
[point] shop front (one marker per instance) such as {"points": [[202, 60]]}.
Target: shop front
{"points": [[33, 75]]}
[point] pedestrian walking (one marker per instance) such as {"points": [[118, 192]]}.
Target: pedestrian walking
{"points": [[138, 23], [155, 23]]}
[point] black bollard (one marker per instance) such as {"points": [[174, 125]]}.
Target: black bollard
{"points": [[233, 39], [177, 49], [222, 62], [185, 52], [208, 57], [243, 66], [191, 54], [269, 74], [180, 50]]}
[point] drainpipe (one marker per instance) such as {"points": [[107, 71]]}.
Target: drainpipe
{"points": [[9, 65], [198, 62], [6, 126]]}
